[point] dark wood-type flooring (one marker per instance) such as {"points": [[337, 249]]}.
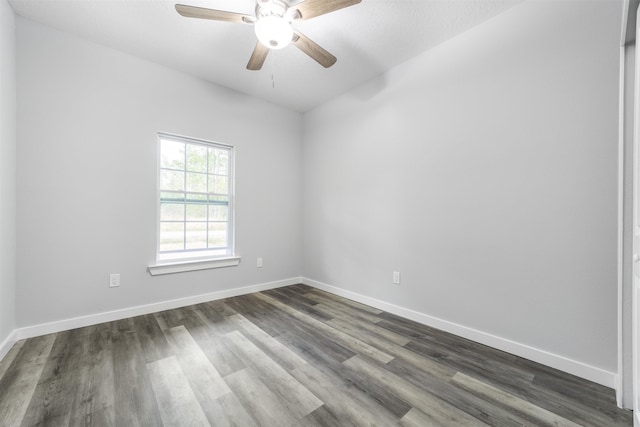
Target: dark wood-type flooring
{"points": [[293, 356]]}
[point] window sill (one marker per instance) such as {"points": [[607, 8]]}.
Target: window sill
{"points": [[183, 266]]}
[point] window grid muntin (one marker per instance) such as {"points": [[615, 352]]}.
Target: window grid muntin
{"points": [[209, 198]]}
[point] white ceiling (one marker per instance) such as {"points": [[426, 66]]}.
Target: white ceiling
{"points": [[368, 39]]}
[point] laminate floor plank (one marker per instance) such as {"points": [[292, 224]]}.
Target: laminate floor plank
{"points": [[206, 314], [102, 418], [594, 395], [204, 379], [221, 307], [422, 333], [263, 405], [342, 400], [134, 404], [537, 415], [439, 411], [309, 310], [475, 352], [10, 356], [19, 382], [565, 383], [574, 409], [417, 418], [294, 396], [337, 310], [292, 356], [339, 300], [304, 341], [346, 340], [169, 319], [296, 296], [288, 359], [177, 402], [475, 406], [335, 313], [323, 417], [208, 334], [435, 367], [344, 377], [373, 329], [94, 402], [400, 329], [229, 412], [61, 377], [65, 354], [260, 313], [504, 376], [207, 326], [287, 323], [152, 339]]}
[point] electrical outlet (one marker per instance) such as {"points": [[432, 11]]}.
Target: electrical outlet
{"points": [[114, 280], [259, 262], [396, 277]]}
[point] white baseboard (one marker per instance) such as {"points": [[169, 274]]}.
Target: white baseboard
{"points": [[582, 370], [109, 316], [562, 363], [8, 342]]}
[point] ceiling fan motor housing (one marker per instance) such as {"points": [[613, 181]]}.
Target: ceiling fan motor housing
{"points": [[273, 25]]}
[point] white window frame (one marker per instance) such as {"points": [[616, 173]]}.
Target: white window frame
{"points": [[196, 259]]}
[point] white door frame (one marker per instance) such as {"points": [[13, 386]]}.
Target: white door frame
{"points": [[636, 247]]}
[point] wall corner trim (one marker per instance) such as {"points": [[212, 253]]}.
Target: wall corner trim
{"points": [[574, 367]]}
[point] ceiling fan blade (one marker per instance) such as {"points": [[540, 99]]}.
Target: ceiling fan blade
{"points": [[312, 49], [311, 8], [217, 15], [258, 57]]}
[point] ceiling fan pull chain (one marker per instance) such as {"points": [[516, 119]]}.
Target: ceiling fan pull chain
{"points": [[273, 70]]}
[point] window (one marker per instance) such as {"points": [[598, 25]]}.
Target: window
{"points": [[195, 200]]}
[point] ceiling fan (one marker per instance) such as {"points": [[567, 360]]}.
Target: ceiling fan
{"points": [[273, 22]]}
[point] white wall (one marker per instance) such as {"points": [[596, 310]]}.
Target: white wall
{"points": [[7, 171], [88, 118], [485, 172]]}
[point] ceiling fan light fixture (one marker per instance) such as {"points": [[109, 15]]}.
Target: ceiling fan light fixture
{"points": [[274, 32]]}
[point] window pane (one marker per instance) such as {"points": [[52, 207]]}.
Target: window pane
{"points": [[196, 158], [218, 213], [196, 182], [196, 212], [171, 236], [171, 212], [196, 235], [172, 154], [218, 161], [218, 184], [217, 234], [195, 198], [171, 180]]}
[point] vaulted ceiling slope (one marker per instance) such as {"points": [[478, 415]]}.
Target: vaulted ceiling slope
{"points": [[368, 39]]}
